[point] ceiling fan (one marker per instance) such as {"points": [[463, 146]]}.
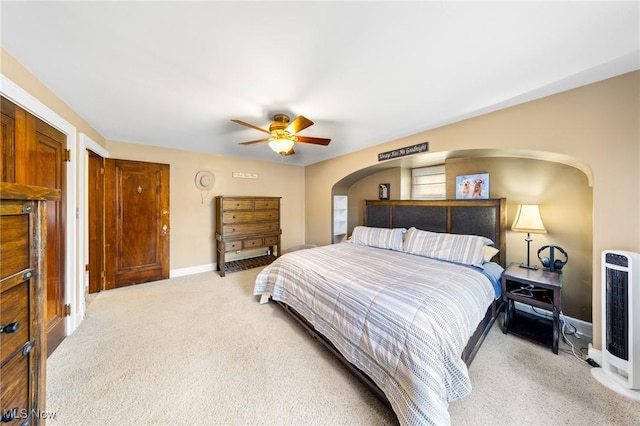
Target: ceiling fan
{"points": [[283, 134]]}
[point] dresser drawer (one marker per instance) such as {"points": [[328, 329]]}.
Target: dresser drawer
{"points": [[14, 244], [14, 308], [253, 243], [231, 204], [233, 246], [267, 204], [14, 394], [270, 241], [249, 229], [254, 216]]}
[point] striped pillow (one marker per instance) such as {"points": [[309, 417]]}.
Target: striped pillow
{"points": [[465, 249], [378, 237]]}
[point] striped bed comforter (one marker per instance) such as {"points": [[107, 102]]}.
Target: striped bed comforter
{"points": [[402, 319]]}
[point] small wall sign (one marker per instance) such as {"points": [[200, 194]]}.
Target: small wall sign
{"points": [[401, 152]]}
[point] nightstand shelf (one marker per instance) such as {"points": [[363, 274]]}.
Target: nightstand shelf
{"points": [[539, 289]]}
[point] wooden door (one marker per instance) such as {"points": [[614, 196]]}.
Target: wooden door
{"points": [[7, 136], [49, 170], [33, 153], [95, 202], [136, 222]]}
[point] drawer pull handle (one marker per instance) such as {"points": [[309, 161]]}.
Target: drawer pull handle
{"points": [[27, 347], [10, 328], [27, 275], [9, 416], [26, 208]]}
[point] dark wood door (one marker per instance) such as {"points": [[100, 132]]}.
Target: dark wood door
{"points": [[95, 201], [33, 153], [7, 136], [49, 170], [136, 222]]}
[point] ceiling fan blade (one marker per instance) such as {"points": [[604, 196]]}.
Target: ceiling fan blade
{"points": [[250, 125], [256, 141], [300, 123], [317, 141]]}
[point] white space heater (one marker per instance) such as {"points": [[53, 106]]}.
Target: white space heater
{"points": [[620, 323]]}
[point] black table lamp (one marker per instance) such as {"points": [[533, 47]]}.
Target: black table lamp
{"points": [[528, 220]]}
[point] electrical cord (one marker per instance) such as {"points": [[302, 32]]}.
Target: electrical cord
{"points": [[564, 323], [572, 331], [567, 329], [528, 291]]}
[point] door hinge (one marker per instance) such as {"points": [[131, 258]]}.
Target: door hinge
{"points": [[67, 155], [101, 274], [101, 170], [67, 310]]}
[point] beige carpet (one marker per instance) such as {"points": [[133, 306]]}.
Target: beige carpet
{"points": [[200, 350]]}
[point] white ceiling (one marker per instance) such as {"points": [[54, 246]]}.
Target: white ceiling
{"points": [[172, 74]]}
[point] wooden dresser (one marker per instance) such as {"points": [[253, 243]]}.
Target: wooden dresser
{"points": [[247, 223], [22, 302]]}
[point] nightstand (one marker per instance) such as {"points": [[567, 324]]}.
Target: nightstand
{"points": [[539, 289]]}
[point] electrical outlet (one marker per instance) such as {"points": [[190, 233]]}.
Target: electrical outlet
{"points": [[244, 175]]}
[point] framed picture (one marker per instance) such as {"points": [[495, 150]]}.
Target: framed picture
{"points": [[472, 186], [384, 191]]}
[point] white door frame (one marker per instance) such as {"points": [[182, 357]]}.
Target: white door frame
{"points": [[25, 100], [86, 144]]}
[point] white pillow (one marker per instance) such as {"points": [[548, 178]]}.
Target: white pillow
{"points": [[385, 238], [465, 249], [488, 252]]}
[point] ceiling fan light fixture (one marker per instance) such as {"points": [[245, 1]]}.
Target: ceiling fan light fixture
{"points": [[283, 134], [281, 145]]}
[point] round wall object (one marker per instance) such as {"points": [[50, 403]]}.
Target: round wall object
{"points": [[205, 180]]}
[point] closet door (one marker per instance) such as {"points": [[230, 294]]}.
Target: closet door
{"points": [[7, 139], [95, 198], [50, 172], [33, 153]]}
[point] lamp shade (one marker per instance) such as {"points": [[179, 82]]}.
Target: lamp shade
{"points": [[281, 145], [528, 220]]}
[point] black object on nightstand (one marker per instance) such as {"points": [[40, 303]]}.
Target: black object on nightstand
{"points": [[536, 288]]}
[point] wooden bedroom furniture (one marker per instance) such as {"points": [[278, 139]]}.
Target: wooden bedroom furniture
{"points": [[247, 223], [477, 217], [23, 301], [539, 289]]}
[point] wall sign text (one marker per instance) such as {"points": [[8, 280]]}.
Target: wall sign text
{"points": [[401, 152]]}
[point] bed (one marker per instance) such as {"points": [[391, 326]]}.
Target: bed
{"points": [[407, 302]]}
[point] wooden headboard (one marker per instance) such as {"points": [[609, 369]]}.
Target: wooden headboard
{"points": [[487, 218]]}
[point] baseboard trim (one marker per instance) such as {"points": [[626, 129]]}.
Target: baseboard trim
{"points": [[595, 354], [583, 328], [192, 270]]}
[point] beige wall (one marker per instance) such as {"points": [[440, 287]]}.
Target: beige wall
{"points": [[594, 127], [192, 211], [367, 189]]}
